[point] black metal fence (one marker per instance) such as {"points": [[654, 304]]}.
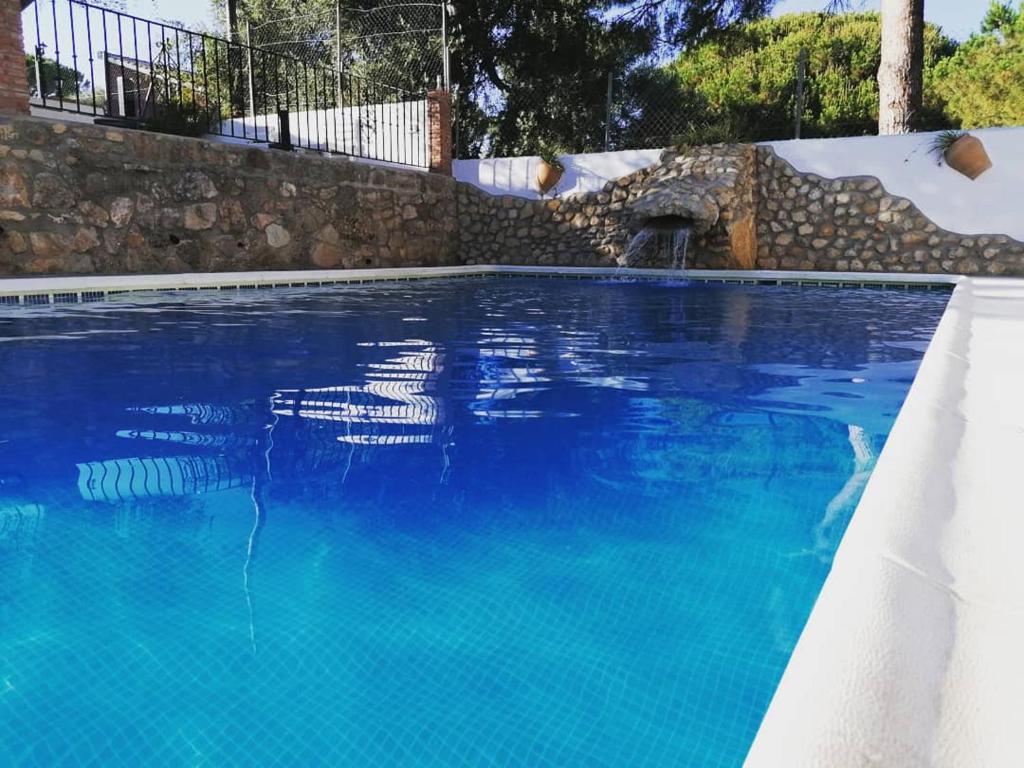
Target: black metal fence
{"points": [[114, 66]]}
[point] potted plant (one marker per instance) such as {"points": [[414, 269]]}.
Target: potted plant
{"points": [[962, 152], [550, 171]]}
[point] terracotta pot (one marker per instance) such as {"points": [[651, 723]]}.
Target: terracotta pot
{"points": [[968, 155], [547, 176]]}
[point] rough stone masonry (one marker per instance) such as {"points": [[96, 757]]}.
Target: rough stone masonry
{"points": [[594, 230], [83, 199], [852, 224], [764, 214]]}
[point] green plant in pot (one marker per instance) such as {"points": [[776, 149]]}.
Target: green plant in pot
{"points": [[962, 152], [550, 171]]}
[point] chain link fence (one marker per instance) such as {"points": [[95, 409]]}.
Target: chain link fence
{"points": [[401, 44], [371, 65], [645, 107], [138, 72], [404, 44]]}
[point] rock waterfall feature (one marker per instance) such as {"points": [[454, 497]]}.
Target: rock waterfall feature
{"points": [[665, 217]]}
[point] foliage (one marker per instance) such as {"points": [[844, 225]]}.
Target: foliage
{"points": [[747, 75], [58, 82], [179, 118], [982, 84], [722, 131], [550, 156], [651, 109], [942, 141], [534, 73], [381, 44], [526, 71], [538, 70]]}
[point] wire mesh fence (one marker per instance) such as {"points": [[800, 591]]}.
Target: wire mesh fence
{"points": [[398, 43], [366, 67], [647, 106], [122, 68]]}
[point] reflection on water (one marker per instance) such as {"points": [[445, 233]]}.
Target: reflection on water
{"points": [[116, 480], [394, 404], [828, 531], [455, 523]]}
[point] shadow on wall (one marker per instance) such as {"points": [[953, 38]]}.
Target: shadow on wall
{"points": [[583, 173]]}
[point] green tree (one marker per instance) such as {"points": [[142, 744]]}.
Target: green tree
{"points": [[527, 73], [746, 76], [982, 84], [535, 72], [57, 81], [539, 71]]}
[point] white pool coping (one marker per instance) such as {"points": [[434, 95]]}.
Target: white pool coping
{"points": [[911, 655]]}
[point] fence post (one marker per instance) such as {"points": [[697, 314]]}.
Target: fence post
{"points": [[445, 61], [13, 76], [251, 76], [337, 49], [234, 59], [608, 117], [456, 122], [798, 107], [439, 116], [284, 132]]}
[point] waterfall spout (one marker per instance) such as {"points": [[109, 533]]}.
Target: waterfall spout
{"points": [[661, 244], [680, 244], [637, 246]]}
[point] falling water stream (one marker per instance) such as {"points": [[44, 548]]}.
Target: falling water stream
{"points": [[659, 246], [680, 244]]}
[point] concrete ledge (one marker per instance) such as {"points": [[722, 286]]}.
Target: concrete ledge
{"points": [[912, 654], [56, 290]]}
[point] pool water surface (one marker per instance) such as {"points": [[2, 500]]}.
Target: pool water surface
{"points": [[495, 522]]}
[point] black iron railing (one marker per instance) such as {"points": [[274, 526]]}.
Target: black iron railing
{"points": [[114, 66]]}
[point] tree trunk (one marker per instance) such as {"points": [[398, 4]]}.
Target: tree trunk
{"points": [[901, 74]]}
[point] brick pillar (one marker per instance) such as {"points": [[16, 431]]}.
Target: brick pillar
{"points": [[13, 80], [439, 114]]}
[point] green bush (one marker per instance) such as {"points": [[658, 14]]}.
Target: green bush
{"points": [[748, 74], [179, 119], [982, 83]]}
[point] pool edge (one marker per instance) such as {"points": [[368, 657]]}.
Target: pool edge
{"points": [[77, 289], [911, 652]]}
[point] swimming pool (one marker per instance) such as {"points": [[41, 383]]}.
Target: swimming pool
{"points": [[452, 523]]}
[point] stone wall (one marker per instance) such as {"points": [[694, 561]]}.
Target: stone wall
{"points": [[714, 185], [82, 199], [770, 217], [852, 224]]}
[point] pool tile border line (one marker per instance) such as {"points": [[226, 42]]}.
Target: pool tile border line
{"points": [[34, 291]]}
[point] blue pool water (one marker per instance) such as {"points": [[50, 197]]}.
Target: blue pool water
{"points": [[448, 523]]}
